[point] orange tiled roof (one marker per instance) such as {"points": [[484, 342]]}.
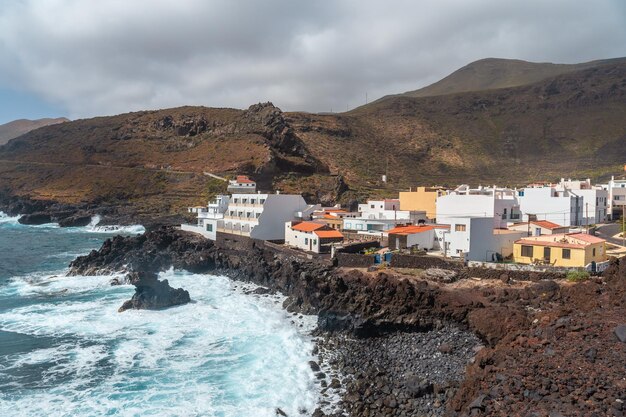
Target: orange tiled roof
{"points": [[328, 233], [578, 240], [307, 226], [409, 230], [244, 179], [331, 217], [586, 238]]}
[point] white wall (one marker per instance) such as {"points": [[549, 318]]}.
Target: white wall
{"points": [[455, 205], [424, 240], [278, 209], [307, 241], [560, 210]]}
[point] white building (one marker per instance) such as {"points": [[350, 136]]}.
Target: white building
{"points": [[378, 216], [241, 184], [595, 199], [208, 217], [475, 239], [311, 236], [499, 204], [263, 216], [564, 207], [616, 198], [421, 237]]}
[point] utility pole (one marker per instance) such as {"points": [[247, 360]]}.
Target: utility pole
{"points": [[624, 225], [587, 217]]}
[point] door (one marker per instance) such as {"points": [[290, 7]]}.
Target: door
{"points": [[546, 254], [398, 243]]}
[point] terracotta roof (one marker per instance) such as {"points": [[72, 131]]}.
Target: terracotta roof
{"points": [[570, 240], [307, 226], [330, 216], [587, 238], [244, 179], [328, 233], [409, 230]]}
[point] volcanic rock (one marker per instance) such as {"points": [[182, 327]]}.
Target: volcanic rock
{"points": [[152, 294]]}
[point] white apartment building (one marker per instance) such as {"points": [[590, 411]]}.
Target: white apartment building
{"points": [[595, 199], [208, 217], [560, 206], [616, 202], [499, 204], [475, 239], [378, 216], [263, 216]]}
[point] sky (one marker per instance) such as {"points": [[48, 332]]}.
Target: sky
{"points": [[80, 59]]}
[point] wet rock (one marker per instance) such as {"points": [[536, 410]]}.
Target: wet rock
{"points": [[35, 219], [152, 294], [77, 220]]}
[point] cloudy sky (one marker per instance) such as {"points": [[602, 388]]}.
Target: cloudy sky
{"points": [[79, 58]]}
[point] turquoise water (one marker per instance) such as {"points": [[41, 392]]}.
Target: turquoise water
{"points": [[66, 351]]}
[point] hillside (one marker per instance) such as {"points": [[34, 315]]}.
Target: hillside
{"points": [[494, 73], [150, 162], [17, 128]]}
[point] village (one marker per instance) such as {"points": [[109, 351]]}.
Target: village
{"points": [[542, 227]]}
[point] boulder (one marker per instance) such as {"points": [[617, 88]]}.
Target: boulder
{"points": [[620, 332], [77, 220], [152, 294], [35, 219]]}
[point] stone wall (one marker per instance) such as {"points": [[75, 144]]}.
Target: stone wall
{"points": [[353, 260], [423, 262]]}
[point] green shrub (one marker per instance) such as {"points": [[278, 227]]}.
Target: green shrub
{"points": [[577, 276]]}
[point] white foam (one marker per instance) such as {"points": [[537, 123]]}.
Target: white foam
{"points": [[5, 218], [131, 229], [225, 354]]}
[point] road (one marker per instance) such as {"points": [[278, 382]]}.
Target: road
{"points": [[607, 231]]}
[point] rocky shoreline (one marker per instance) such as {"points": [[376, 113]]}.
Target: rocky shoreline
{"points": [[394, 340]]}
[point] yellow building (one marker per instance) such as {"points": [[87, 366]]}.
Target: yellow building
{"points": [[421, 199], [570, 250]]}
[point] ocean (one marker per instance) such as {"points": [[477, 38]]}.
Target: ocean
{"points": [[66, 351]]}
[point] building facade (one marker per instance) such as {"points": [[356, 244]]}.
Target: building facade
{"points": [[311, 236], [208, 217], [422, 199], [555, 205], [566, 250], [539, 227], [499, 204]]}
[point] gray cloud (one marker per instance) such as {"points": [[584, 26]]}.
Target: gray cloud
{"points": [[108, 57]]}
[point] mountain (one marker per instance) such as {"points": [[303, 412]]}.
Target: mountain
{"points": [[17, 128], [494, 73], [571, 125]]}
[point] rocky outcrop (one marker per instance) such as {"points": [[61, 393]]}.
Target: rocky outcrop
{"points": [[35, 218], [153, 251], [152, 294]]}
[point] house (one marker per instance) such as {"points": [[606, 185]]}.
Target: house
{"points": [[262, 216], [554, 204], [378, 216], [311, 236], [499, 204], [419, 237], [539, 227], [567, 250], [208, 217], [422, 199], [333, 216], [475, 239], [241, 184]]}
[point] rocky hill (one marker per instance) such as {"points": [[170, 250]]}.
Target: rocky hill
{"points": [[17, 128], [151, 162]]}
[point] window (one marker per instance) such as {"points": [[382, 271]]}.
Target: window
{"points": [[244, 201], [593, 252], [236, 200], [315, 241], [567, 254], [258, 215], [527, 251], [372, 206], [306, 240], [261, 201], [253, 201], [248, 214], [209, 227], [459, 228], [232, 212]]}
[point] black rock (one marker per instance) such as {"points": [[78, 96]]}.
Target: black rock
{"points": [[35, 219], [77, 220], [152, 294]]}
